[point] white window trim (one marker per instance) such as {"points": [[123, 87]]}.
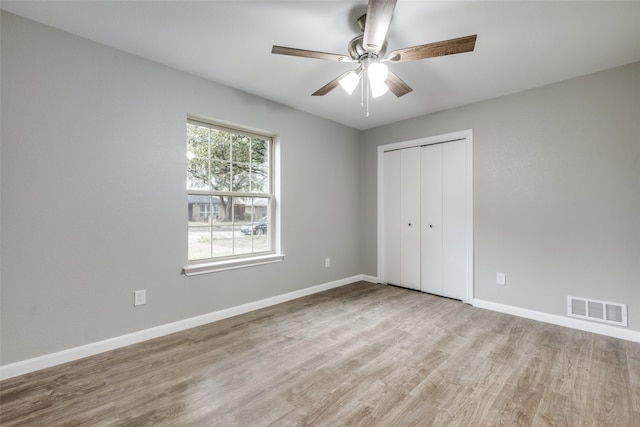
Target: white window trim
{"points": [[196, 267], [231, 264]]}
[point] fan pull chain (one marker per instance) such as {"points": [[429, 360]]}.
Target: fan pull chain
{"points": [[366, 81], [362, 91]]}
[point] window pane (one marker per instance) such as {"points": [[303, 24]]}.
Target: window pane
{"points": [[241, 177], [197, 141], [220, 155], [199, 246], [241, 148], [260, 209], [259, 151], [259, 179], [199, 243], [220, 145], [240, 152], [242, 244], [220, 175], [240, 210], [197, 174], [199, 210], [253, 233], [259, 165], [224, 212], [197, 157], [222, 244]]}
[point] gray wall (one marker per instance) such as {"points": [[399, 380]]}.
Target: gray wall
{"points": [[93, 203], [93, 196], [556, 190]]}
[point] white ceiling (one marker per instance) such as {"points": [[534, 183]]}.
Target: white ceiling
{"points": [[520, 45]]}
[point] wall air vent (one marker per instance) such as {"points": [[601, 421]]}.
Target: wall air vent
{"points": [[599, 311]]}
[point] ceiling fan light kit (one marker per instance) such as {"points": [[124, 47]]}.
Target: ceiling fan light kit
{"points": [[377, 73], [369, 48], [350, 81]]}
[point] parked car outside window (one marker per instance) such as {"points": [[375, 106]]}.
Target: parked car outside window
{"points": [[259, 227]]}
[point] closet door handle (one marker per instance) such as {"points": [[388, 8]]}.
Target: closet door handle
{"points": [[409, 224]]}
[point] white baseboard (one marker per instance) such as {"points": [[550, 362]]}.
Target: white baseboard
{"points": [[371, 279], [48, 360], [569, 322]]}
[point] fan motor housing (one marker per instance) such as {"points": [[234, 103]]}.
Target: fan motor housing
{"points": [[356, 47], [357, 50]]}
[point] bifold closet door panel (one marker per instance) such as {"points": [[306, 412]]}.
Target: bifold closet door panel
{"points": [[454, 217], [410, 218], [391, 242], [431, 218]]}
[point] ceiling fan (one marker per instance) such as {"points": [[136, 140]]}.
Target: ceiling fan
{"points": [[369, 49]]}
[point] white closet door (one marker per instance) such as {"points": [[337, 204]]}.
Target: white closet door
{"points": [[431, 219], [426, 226], [454, 218], [391, 243], [410, 221]]}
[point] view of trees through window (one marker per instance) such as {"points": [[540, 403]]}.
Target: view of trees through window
{"points": [[229, 188]]}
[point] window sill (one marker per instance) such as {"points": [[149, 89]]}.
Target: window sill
{"points": [[212, 267]]}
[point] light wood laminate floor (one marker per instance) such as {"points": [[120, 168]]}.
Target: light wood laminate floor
{"points": [[362, 354]]}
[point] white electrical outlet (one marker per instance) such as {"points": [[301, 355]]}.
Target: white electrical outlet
{"points": [[140, 297], [327, 262], [501, 279]]}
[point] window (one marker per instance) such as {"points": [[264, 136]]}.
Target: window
{"points": [[230, 194]]}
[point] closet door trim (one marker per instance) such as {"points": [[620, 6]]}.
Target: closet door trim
{"points": [[438, 139]]}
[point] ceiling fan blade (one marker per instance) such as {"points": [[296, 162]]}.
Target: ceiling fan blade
{"points": [[330, 86], [396, 85], [281, 50], [379, 14], [432, 50]]}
